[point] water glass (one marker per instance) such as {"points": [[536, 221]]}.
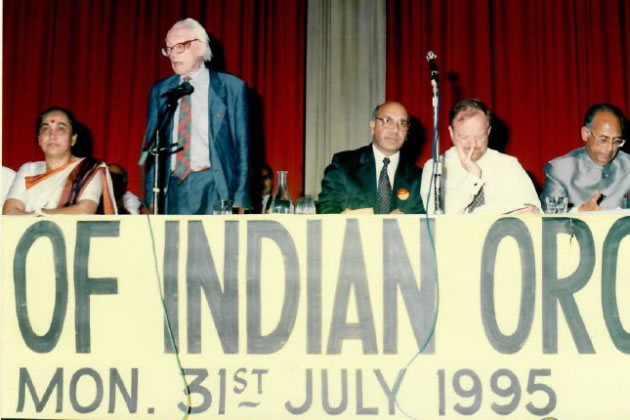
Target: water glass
{"points": [[222, 207], [556, 204], [305, 205]]}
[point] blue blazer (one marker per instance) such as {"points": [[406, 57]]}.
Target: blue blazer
{"points": [[229, 135], [350, 183]]}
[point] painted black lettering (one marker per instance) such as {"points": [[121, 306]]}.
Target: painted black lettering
{"points": [[397, 273], [44, 229], [620, 336], [557, 290], [352, 276], [308, 399], [314, 287], [98, 397], [55, 384], [130, 398], [257, 343], [361, 410], [502, 228], [343, 404], [202, 275], [171, 290], [84, 285]]}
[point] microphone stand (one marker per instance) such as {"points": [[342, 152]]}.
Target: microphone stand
{"points": [[161, 151], [438, 161]]}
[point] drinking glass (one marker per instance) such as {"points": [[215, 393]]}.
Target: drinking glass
{"points": [[222, 207], [556, 204], [305, 205]]}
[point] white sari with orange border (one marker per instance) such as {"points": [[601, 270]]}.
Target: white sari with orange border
{"points": [[81, 179]]}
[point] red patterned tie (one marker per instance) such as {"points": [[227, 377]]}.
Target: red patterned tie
{"points": [[182, 161]]}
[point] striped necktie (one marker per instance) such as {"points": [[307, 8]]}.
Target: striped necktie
{"points": [[182, 160], [384, 191]]}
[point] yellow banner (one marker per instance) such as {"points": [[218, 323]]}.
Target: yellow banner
{"points": [[315, 317]]}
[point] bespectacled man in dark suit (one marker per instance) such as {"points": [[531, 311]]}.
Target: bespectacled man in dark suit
{"points": [[376, 178]]}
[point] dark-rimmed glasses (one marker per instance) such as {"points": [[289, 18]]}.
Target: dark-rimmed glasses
{"points": [[177, 48], [389, 122]]}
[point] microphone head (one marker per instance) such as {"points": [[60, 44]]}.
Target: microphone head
{"points": [[187, 88], [178, 91], [431, 56]]}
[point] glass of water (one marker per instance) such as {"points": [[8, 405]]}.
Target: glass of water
{"points": [[556, 204], [305, 205], [222, 207]]}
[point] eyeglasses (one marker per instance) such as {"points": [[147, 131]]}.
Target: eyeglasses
{"points": [[177, 48], [389, 122], [617, 142]]}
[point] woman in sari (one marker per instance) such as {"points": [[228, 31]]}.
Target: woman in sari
{"points": [[63, 183]]}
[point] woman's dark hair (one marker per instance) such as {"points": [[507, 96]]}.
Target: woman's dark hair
{"points": [[71, 118]]}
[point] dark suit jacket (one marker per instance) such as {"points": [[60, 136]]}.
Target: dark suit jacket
{"points": [[229, 134], [350, 183], [576, 176]]}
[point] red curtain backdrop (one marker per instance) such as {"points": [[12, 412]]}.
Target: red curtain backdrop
{"points": [[538, 64], [100, 58]]}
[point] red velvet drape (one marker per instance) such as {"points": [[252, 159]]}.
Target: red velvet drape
{"points": [[99, 59], [538, 64]]}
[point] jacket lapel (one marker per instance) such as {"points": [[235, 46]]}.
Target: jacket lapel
{"points": [[366, 174], [216, 106]]}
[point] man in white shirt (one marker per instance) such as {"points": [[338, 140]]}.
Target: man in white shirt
{"points": [[476, 179]]}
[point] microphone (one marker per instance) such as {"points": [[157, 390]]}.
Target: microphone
{"points": [[432, 59], [178, 91]]}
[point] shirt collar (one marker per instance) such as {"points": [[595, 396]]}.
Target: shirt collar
{"points": [[379, 156], [200, 76]]}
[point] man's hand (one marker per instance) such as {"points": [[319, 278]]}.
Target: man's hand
{"points": [[397, 211], [238, 210], [467, 162], [591, 204]]}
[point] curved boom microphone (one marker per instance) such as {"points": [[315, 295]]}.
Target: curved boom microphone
{"points": [[179, 91]]}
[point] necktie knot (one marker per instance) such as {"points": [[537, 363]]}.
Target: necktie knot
{"points": [[386, 161]]}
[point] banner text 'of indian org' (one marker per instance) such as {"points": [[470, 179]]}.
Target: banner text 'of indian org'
{"points": [[316, 317]]}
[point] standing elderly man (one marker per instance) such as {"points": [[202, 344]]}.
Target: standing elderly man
{"points": [[596, 176], [377, 178], [477, 179], [210, 126]]}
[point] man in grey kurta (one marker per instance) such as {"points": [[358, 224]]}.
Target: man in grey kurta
{"points": [[596, 176]]}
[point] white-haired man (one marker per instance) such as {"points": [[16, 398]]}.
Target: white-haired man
{"points": [[210, 125]]}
